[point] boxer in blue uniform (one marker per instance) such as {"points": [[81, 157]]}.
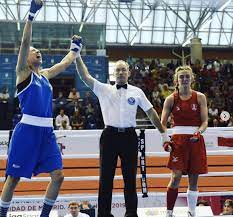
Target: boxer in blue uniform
{"points": [[33, 135], [33, 148]]}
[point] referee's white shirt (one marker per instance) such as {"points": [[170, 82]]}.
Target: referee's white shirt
{"points": [[119, 106]]}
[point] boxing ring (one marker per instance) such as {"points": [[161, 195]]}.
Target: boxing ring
{"points": [[80, 152]]}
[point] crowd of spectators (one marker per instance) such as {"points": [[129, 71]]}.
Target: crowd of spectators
{"points": [[72, 112], [75, 113], [213, 78], [227, 206]]}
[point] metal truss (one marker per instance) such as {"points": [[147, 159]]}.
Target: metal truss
{"points": [[138, 22]]}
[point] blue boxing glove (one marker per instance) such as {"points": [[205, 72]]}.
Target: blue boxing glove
{"points": [[76, 45], [36, 5]]}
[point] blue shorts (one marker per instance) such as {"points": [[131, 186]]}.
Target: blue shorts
{"points": [[32, 150]]}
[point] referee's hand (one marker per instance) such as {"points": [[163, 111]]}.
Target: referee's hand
{"points": [[166, 141], [167, 146]]}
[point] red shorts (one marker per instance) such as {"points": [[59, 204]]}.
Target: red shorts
{"points": [[188, 157]]}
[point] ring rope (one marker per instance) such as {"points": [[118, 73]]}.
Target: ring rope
{"points": [[150, 154], [95, 178]]}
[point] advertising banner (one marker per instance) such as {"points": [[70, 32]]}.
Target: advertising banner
{"points": [[215, 201], [87, 141], [30, 214]]}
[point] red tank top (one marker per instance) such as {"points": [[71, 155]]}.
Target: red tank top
{"points": [[186, 112]]}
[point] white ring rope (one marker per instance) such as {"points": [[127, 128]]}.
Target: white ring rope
{"points": [[150, 154], [116, 195], [95, 178]]}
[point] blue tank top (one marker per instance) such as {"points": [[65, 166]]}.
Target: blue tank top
{"points": [[36, 98]]}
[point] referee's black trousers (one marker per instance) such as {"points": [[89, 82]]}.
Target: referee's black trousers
{"points": [[112, 145]]}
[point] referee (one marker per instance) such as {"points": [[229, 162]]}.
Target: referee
{"points": [[119, 104]]}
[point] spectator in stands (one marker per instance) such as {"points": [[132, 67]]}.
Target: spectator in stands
{"points": [[157, 107], [87, 208], [4, 100], [157, 62], [119, 104], [189, 111], [149, 82], [61, 117], [152, 65], [65, 126], [227, 207], [4, 95], [88, 98], [228, 68], [202, 203], [91, 122], [216, 65], [78, 106], [229, 99], [86, 205], [213, 111], [130, 61], [165, 91], [89, 109], [74, 210], [171, 65], [74, 95], [77, 121], [213, 114], [219, 100], [155, 95], [33, 147], [60, 102], [141, 66]]}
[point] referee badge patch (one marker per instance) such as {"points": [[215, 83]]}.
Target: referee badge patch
{"points": [[131, 100]]}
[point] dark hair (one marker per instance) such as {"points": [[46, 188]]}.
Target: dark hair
{"points": [[204, 202]]}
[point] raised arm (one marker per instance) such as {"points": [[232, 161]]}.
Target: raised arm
{"points": [[83, 72], [24, 48], [22, 70], [66, 61]]}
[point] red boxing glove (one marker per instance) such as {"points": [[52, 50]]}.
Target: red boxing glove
{"points": [[167, 146], [196, 137]]}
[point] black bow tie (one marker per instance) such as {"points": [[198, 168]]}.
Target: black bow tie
{"points": [[118, 86]]}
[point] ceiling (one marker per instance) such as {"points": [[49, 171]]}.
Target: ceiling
{"points": [[140, 22]]}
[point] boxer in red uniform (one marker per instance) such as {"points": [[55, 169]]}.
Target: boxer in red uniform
{"points": [[188, 111]]}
